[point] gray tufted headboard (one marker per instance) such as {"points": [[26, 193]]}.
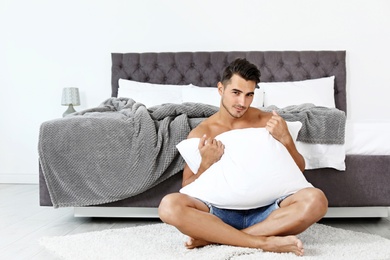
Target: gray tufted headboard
{"points": [[204, 68]]}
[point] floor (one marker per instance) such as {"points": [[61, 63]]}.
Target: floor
{"points": [[23, 222]]}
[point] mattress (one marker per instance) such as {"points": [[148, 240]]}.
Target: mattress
{"points": [[367, 138]]}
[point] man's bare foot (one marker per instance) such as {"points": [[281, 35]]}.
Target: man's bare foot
{"points": [[194, 243], [283, 245], [272, 244]]}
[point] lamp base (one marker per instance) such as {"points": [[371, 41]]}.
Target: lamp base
{"points": [[70, 110]]}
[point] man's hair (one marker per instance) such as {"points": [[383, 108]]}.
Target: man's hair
{"points": [[243, 68]]}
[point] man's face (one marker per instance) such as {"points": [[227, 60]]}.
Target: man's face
{"points": [[237, 95]]}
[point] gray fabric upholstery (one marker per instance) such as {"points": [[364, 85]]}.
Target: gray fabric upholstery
{"points": [[364, 183], [204, 69]]}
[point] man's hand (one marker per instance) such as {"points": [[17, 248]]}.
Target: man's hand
{"points": [[211, 151], [277, 127]]}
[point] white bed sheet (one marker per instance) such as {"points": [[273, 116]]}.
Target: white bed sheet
{"points": [[367, 137], [363, 138]]}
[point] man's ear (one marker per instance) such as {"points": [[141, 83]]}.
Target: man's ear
{"points": [[220, 88]]}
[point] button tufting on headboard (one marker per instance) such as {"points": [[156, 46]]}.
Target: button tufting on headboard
{"points": [[204, 68]]}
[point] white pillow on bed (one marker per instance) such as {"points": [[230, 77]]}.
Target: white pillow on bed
{"points": [[258, 99], [254, 171], [151, 94], [211, 96], [203, 95], [320, 92]]}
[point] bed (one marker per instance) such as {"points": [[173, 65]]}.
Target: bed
{"points": [[357, 188]]}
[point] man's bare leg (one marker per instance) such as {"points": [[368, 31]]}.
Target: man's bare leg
{"points": [[296, 213], [191, 217]]}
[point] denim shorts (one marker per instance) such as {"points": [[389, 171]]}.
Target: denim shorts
{"points": [[241, 219]]}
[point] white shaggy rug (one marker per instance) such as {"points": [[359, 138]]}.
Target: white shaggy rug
{"points": [[161, 241]]}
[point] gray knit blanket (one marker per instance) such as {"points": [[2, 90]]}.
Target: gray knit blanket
{"points": [[120, 148], [320, 125], [114, 151]]}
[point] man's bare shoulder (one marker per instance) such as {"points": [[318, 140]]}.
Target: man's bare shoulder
{"points": [[202, 129], [211, 127], [258, 111], [258, 117]]}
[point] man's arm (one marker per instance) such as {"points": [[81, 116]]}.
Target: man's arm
{"points": [[278, 129], [211, 151], [291, 148]]}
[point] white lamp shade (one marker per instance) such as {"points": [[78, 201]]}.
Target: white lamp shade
{"points": [[70, 96]]}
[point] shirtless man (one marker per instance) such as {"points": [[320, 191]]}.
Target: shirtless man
{"points": [[273, 228]]}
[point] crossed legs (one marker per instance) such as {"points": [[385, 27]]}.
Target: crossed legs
{"points": [[277, 233]]}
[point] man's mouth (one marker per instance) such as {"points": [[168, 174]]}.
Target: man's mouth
{"points": [[239, 108]]}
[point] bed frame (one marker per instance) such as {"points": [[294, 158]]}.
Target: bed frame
{"points": [[363, 190]]}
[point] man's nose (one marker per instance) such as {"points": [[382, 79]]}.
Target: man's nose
{"points": [[241, 100]]}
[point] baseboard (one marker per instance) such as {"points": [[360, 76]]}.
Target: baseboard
{"points": [[116, 212], [19, 178], [140, 212], [357, 212]]}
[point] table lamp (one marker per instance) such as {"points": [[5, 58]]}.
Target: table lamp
{"points": [[70, 98]]}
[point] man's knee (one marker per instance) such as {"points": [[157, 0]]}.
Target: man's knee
{"points": [[169, 207], [316, 202]]}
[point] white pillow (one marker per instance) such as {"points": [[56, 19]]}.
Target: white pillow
{"points": [[189, 148], [211, 96], [151, 94], [203, 95], [293, 128], [258, 99], [253, 172], [319, 92]]}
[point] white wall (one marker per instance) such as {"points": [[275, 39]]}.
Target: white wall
{"points": [[48, 45]]}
